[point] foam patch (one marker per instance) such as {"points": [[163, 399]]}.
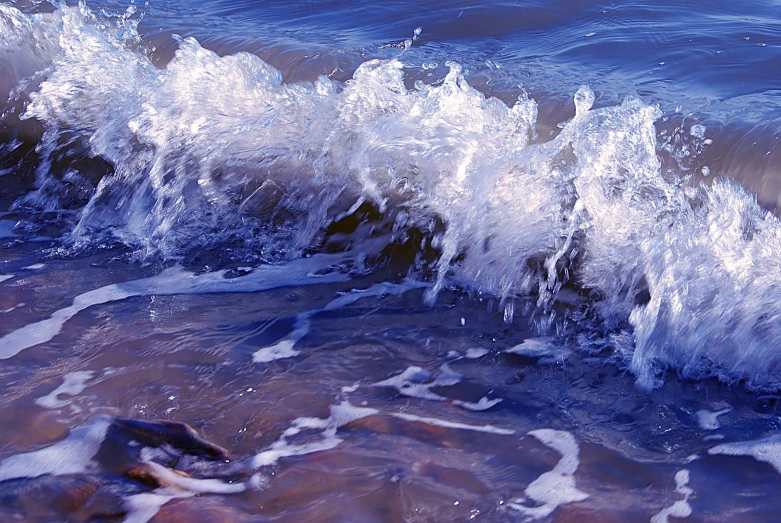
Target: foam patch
{"points": [[490, 429], [169, 282], [483, 403], [73, 455], [73, 383], [767, 450], [341, 415], [681, 508], [545, 348], [284, 348], [194, 485], [557, 487], [709, 420], [416, 382], [473, 354], [143, 507]]}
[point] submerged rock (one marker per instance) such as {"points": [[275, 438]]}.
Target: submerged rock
{"points": [[176, 434], [126, 440]]}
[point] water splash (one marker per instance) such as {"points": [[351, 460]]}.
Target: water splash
{"points": [[219, 152]]}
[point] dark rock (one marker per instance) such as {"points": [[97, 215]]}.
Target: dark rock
{"points": [[120, 452], [178, 435]]}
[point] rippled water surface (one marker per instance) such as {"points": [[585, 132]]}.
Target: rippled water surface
{"points": [[389, 261]]}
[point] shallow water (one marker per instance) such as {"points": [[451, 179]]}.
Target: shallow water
{"points": [[455, 404], [512, 261]]}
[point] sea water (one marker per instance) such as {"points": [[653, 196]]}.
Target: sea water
{"points": [[501, 261]]}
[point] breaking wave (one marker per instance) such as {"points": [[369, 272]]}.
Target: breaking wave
{"points": [[217, 152]]}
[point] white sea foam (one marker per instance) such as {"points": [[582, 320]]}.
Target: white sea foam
{"points": [[72, 383], [556, 487], [341, 415], [209, 148], [681, 508], [376, 290], [473, 354], [195, 485], [547, 349], [483, 403], [143, 507], [350, 388], [416, 382], [490, 429], [767, 450], [281, 350], [284, 348], [72, 455], [10, 309], [171, 281], [709, 420], [4, 277]]}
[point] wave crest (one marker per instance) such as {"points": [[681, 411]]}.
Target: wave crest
{"points": [[219, 151]]}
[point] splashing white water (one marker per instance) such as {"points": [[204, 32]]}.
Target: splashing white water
{"points": [[217, 150]]}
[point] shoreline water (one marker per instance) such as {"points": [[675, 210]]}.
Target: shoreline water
{"points": [[462, 264]]}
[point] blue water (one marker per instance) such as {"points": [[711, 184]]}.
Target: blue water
{"points": [[336, 237], [718, 58]]}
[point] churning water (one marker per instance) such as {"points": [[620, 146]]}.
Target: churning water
{"points": [[504, 261]]}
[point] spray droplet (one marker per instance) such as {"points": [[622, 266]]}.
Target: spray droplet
{"points": [[698, 131], [509, 312]]}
